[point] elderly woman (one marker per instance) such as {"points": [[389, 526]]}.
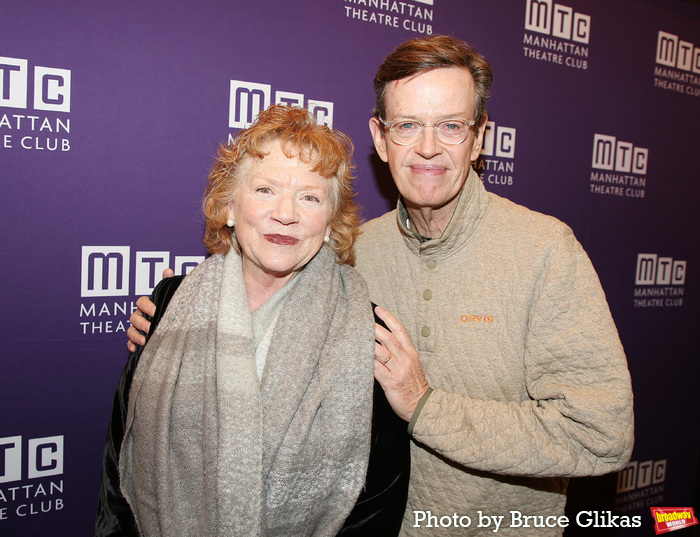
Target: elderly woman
{"points": [[249, 411]]}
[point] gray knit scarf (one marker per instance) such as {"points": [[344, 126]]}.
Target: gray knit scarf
{"points": [[210, 450]]}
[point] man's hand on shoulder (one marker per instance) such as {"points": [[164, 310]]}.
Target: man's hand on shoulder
{"points": [[139, 324]]}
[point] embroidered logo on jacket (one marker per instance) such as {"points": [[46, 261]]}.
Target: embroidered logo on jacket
{"points": [[476, 318]]}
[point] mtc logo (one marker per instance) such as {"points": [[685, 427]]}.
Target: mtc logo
{"points": [[655, 270], [498, 141], [637, 475], [672, 52], [105, 270], [248, 99], [51, 86], [44, 457], [544, 17], [612, 154]]}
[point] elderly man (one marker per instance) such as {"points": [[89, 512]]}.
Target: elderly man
{"points": [[506, 362], [502, 356]]}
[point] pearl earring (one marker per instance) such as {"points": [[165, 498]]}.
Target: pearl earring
{"points": [[230, 222], [326, 238]]}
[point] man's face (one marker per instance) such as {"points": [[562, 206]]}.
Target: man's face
{"points": [[428, 173]]}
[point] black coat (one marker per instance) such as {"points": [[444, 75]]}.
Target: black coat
{"points": [[379, 508]]}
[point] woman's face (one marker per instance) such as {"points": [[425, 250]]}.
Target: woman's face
{"points": [[282, 212]]}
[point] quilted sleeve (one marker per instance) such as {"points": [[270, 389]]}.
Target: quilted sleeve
{"points": [[578, 420]]}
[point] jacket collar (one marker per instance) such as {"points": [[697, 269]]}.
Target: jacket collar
{"points": [[471, 206]]}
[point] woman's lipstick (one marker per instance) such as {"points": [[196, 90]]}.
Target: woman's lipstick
{"points": [[284, 240]]}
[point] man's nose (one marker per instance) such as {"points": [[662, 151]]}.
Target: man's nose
{"points": [[428, 146]]}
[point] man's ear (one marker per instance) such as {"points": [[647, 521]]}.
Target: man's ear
{"points": [[377, 130], [478, 140]]}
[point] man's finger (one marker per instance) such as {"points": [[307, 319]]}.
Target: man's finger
{"points": [[146, 306], [139, 322], [381, 334], [382, 355], [135, 338], [396, 329]]}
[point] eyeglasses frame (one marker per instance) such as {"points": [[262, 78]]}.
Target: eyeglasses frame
{"points": [[390, 124]]}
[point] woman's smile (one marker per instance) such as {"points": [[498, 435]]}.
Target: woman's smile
{"points": [[283, 240]]}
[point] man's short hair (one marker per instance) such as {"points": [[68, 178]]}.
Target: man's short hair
{"points": [[424, 54]]}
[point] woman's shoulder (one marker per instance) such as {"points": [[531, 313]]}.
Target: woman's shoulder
{"points": [[165, 289], [161, 295]]}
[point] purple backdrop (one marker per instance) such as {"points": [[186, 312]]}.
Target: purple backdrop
{"points": [[111, 114]]}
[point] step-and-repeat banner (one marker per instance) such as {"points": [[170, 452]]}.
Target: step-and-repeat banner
{"points": [[110, 117]]}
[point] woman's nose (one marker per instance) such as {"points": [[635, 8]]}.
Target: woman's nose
{"points": [[285, 210]]}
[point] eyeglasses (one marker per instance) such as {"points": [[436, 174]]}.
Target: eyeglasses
{"points": [[407, 131]]}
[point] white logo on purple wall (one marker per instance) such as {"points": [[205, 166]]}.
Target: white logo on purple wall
{"points": [[609, 153], [49, 93], [248, 99], [660, 281], [677, 65], [44, 458], [653, 269], [672, 51], [619, 168], [52, 86], [546, 17], [105, 270], [389, 14], [556, 34], [496, 162]]}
